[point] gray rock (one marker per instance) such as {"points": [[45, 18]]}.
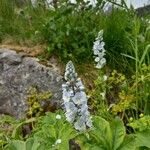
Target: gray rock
{"points": [[17, 74], [143, 11]]}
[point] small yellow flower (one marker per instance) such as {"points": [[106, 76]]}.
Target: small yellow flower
{"points": [[141, 115], [131, 119]]}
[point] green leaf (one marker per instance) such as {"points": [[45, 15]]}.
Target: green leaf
{"points": [[128, 56], [144, 54], [101, 132], [128, 143], [86, 143], [118, 133], [16, 145], [30, 144], [49, 130], [143, 138]]}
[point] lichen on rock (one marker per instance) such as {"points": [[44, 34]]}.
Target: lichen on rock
{"points": [[17, 74]]}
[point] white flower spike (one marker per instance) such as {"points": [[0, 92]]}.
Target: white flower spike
{"points": [[75, 100], [99, 50]]}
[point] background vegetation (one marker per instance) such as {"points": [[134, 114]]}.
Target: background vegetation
{"points": [[68, 31]]}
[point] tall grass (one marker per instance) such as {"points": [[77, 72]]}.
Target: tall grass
{"points": [[21, 22], [69, 32], [7, 16]]}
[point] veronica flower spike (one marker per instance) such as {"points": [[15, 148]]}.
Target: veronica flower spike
{"points": [[75, 100], [99, 50]]}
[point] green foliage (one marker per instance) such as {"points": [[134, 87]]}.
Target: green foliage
{"points": [[142, 139], [34, 101], [71, 30], [141, 124], [107, 136], [30, 144], [21, 23], [11, 129], [116, 25], [139, 39], [121, 93], [49, 132], [52, 131], [118, 96], [49, 129], [121, 30], [98, 101], [6, 128]]}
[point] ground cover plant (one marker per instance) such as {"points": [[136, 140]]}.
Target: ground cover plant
{"points": [[114, 113]]}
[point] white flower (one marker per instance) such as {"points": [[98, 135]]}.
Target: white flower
{"points": [[73, 1], [58, 141], [97, 59], [79, 98], [75, 99], [103, 61], [99, 66], [34, 3], [71, 111], [79, 84], [80, 124], [89, 122], [103, 95], [105, 77], [70, 116], [99, 50], [58, 117], [66, 96], [96, 52]]}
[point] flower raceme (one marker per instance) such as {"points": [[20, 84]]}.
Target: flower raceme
{"points": [[99, 50], [75, 100]]}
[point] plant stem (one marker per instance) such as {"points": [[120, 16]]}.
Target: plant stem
{"points": [[137, 72]]}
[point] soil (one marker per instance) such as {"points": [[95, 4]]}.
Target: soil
{"points": [[29, 51]]}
